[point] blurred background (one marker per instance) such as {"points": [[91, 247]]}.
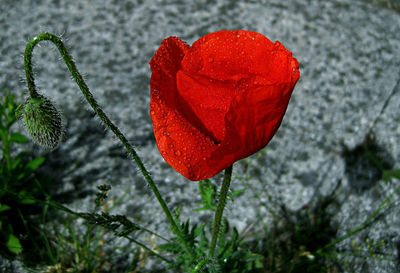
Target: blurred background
{"points": [[349, 58]]}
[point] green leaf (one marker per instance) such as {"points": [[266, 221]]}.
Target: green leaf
{"points": [[177, 213], [24, 198], [15, 163], [34, 164], [11, 109], [257, 261], [4, 207], [389, 174], [4, 136], [27, 201], [203, 243], [13, 244], [21, 176], [18, 138], [207, 192], [235, 193]]}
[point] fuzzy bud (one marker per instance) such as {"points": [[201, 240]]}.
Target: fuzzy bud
{"points": [[42, 121]]}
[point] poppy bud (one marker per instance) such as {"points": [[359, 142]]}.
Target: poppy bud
{"points": [[42, 121]]}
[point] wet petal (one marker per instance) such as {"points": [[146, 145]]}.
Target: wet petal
{"points": [[220, 100]]}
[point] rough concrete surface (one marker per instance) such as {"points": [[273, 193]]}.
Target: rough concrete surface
{"points": [[349, 61]]}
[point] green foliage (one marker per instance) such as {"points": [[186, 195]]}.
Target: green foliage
{"points": [[101, 195], [18, 184], [111, 222], [291, 244], [388, 175], [369, 248], [12, 242], [208, 195], [77, 248], [232, 255], [306, 240]]}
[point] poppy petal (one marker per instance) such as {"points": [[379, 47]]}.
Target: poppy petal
{"points": [[181, 144]]}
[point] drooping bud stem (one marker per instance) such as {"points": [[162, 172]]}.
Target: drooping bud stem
{"points": [[42, 121], [93, 103]]}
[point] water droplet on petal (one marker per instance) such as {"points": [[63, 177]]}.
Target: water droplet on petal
{"points": [[171, 146], [188, 165], [204, 158], [178, 153], [238, 35], [164, 152], [166, 133], [152, 112], [210, 60]]}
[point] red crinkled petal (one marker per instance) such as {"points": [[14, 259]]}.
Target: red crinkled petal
{"points": [[220, 100], [261, 112], [182, 145], [234, 55]]}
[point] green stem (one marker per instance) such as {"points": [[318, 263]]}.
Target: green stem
{"points": [[220, 209], [148, 249], [93, 103]]}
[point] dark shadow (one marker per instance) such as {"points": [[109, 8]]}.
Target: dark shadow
{"points": [[291, 244], [60, 164], [365, 164]]}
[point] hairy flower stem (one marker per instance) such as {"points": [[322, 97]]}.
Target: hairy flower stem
{"points": [[220, 209], [93, 103]]}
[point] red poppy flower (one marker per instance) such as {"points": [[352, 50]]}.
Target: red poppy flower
{"points": [[220, 100]]}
